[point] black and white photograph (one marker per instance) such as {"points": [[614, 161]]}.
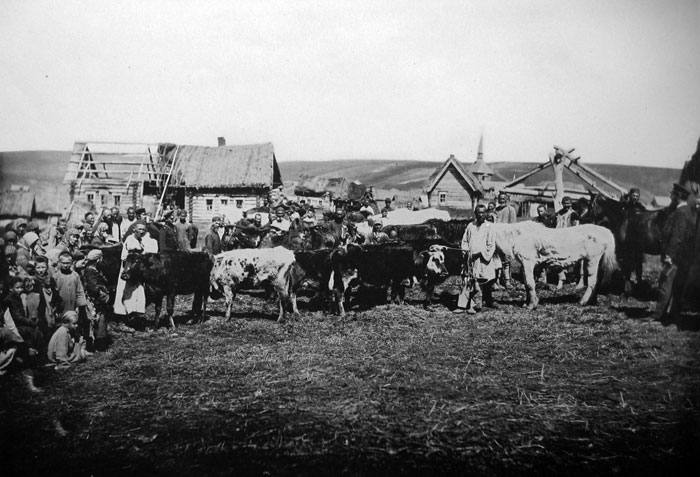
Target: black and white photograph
{"points": [[349, 238]]}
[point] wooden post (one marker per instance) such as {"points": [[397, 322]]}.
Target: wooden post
{"points": [[557, 160]]}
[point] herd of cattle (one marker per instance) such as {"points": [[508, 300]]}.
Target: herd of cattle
{"points": [[425, 253]]}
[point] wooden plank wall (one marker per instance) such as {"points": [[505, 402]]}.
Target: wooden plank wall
{"points": [[455, 187]]}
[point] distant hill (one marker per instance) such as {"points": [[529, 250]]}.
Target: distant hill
{"points": [[46, 169]]}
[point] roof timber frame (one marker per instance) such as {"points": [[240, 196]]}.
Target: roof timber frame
{"points": [[114, 162]]}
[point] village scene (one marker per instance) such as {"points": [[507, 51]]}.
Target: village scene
{"points": [[227, 302]]}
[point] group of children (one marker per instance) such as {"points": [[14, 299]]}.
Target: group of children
{"points": [[51, 308]]}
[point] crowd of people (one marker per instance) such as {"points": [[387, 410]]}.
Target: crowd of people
{"points": [[55, 300]]}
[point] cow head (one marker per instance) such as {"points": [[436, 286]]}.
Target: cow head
{"points": [[132, 270], [436, 261]]}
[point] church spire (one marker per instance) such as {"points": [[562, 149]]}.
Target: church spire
{"points": [[480, 152]]}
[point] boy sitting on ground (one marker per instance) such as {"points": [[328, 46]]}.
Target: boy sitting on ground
{"points": [[63, 350]]}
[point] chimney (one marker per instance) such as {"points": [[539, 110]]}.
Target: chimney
{"points": [[222, 141]]}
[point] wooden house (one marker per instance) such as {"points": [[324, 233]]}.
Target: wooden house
{"points": [[224, 180], [453, 186], [104, 174]]}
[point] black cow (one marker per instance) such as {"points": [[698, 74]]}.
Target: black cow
{"points": [[325, 270], [451, 231], [438, 263], [410, 233], [171, 273], [390, 264]]}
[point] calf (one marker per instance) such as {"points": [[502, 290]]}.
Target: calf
{"points": [[252, 268], [438, 263], [171, 273]]}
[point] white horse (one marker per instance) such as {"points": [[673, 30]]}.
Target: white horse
{"points": [[532, 244]]}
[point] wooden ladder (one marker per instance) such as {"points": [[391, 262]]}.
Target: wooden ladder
{"points": [[166, 183]]}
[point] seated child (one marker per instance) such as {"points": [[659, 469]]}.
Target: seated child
{"points": [[63, 350]]}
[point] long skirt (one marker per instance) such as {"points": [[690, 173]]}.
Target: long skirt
{"points": [[130, 298]]}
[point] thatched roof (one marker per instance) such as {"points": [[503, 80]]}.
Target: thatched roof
{"points": [[251, 166], [17, 204]]}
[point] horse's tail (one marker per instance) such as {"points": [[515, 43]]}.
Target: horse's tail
{"points": [[608, 262]]}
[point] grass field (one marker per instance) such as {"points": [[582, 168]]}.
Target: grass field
{"points": [[388, 390]]}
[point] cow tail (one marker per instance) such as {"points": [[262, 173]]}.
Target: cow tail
{"points": [[609, 261]]}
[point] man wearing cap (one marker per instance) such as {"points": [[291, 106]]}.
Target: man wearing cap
{"points": [[633, 206], [186, 232], [168, 239], [677, 248], [212, 242], [97, 292]]}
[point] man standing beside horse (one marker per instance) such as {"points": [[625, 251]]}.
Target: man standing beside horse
{"points": [[677, 247]]}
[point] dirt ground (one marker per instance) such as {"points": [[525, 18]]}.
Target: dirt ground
{"points": [[387, 390]]}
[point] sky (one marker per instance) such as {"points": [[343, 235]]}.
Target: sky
{"points": [[619, 80]]}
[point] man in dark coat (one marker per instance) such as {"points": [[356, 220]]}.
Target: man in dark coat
{"points": [[677, 247], [212, 242], [167, 239]]}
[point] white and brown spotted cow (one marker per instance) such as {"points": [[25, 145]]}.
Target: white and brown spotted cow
{"points": [[251, 268]]}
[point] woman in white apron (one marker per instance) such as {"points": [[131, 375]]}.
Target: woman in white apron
{"points": [[130, 297]]}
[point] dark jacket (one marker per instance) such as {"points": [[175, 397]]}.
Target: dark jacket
{"points": [[679, 233], [167, 239], [212, 243]]}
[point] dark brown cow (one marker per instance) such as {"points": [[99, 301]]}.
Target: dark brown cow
{"points": [[168, 274]]}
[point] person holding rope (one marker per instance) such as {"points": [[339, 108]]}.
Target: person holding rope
{"points": [[480, 244]]}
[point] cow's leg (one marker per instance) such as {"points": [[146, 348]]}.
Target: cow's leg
{"points": [[581, 275], [531, 300], [229, 295], [170, 303], [592, 269], [158, 302], [293, 299], [197, 302], [429, 290]]}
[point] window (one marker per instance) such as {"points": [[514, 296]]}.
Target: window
{"points": [[104, 200], [239, 203], [210, 205], [442, 198], [224, 201], [117, 200], [90, 197]]}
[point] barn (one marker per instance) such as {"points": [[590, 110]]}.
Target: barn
{"points": [[453, 186], [220, 181]]}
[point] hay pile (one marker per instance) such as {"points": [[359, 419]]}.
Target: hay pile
{"points": [[391, 389]]}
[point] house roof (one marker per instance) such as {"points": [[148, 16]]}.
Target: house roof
{"points": [[452, 162], [113, 161], [252, 165], [480, 167], [17, 203]]}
